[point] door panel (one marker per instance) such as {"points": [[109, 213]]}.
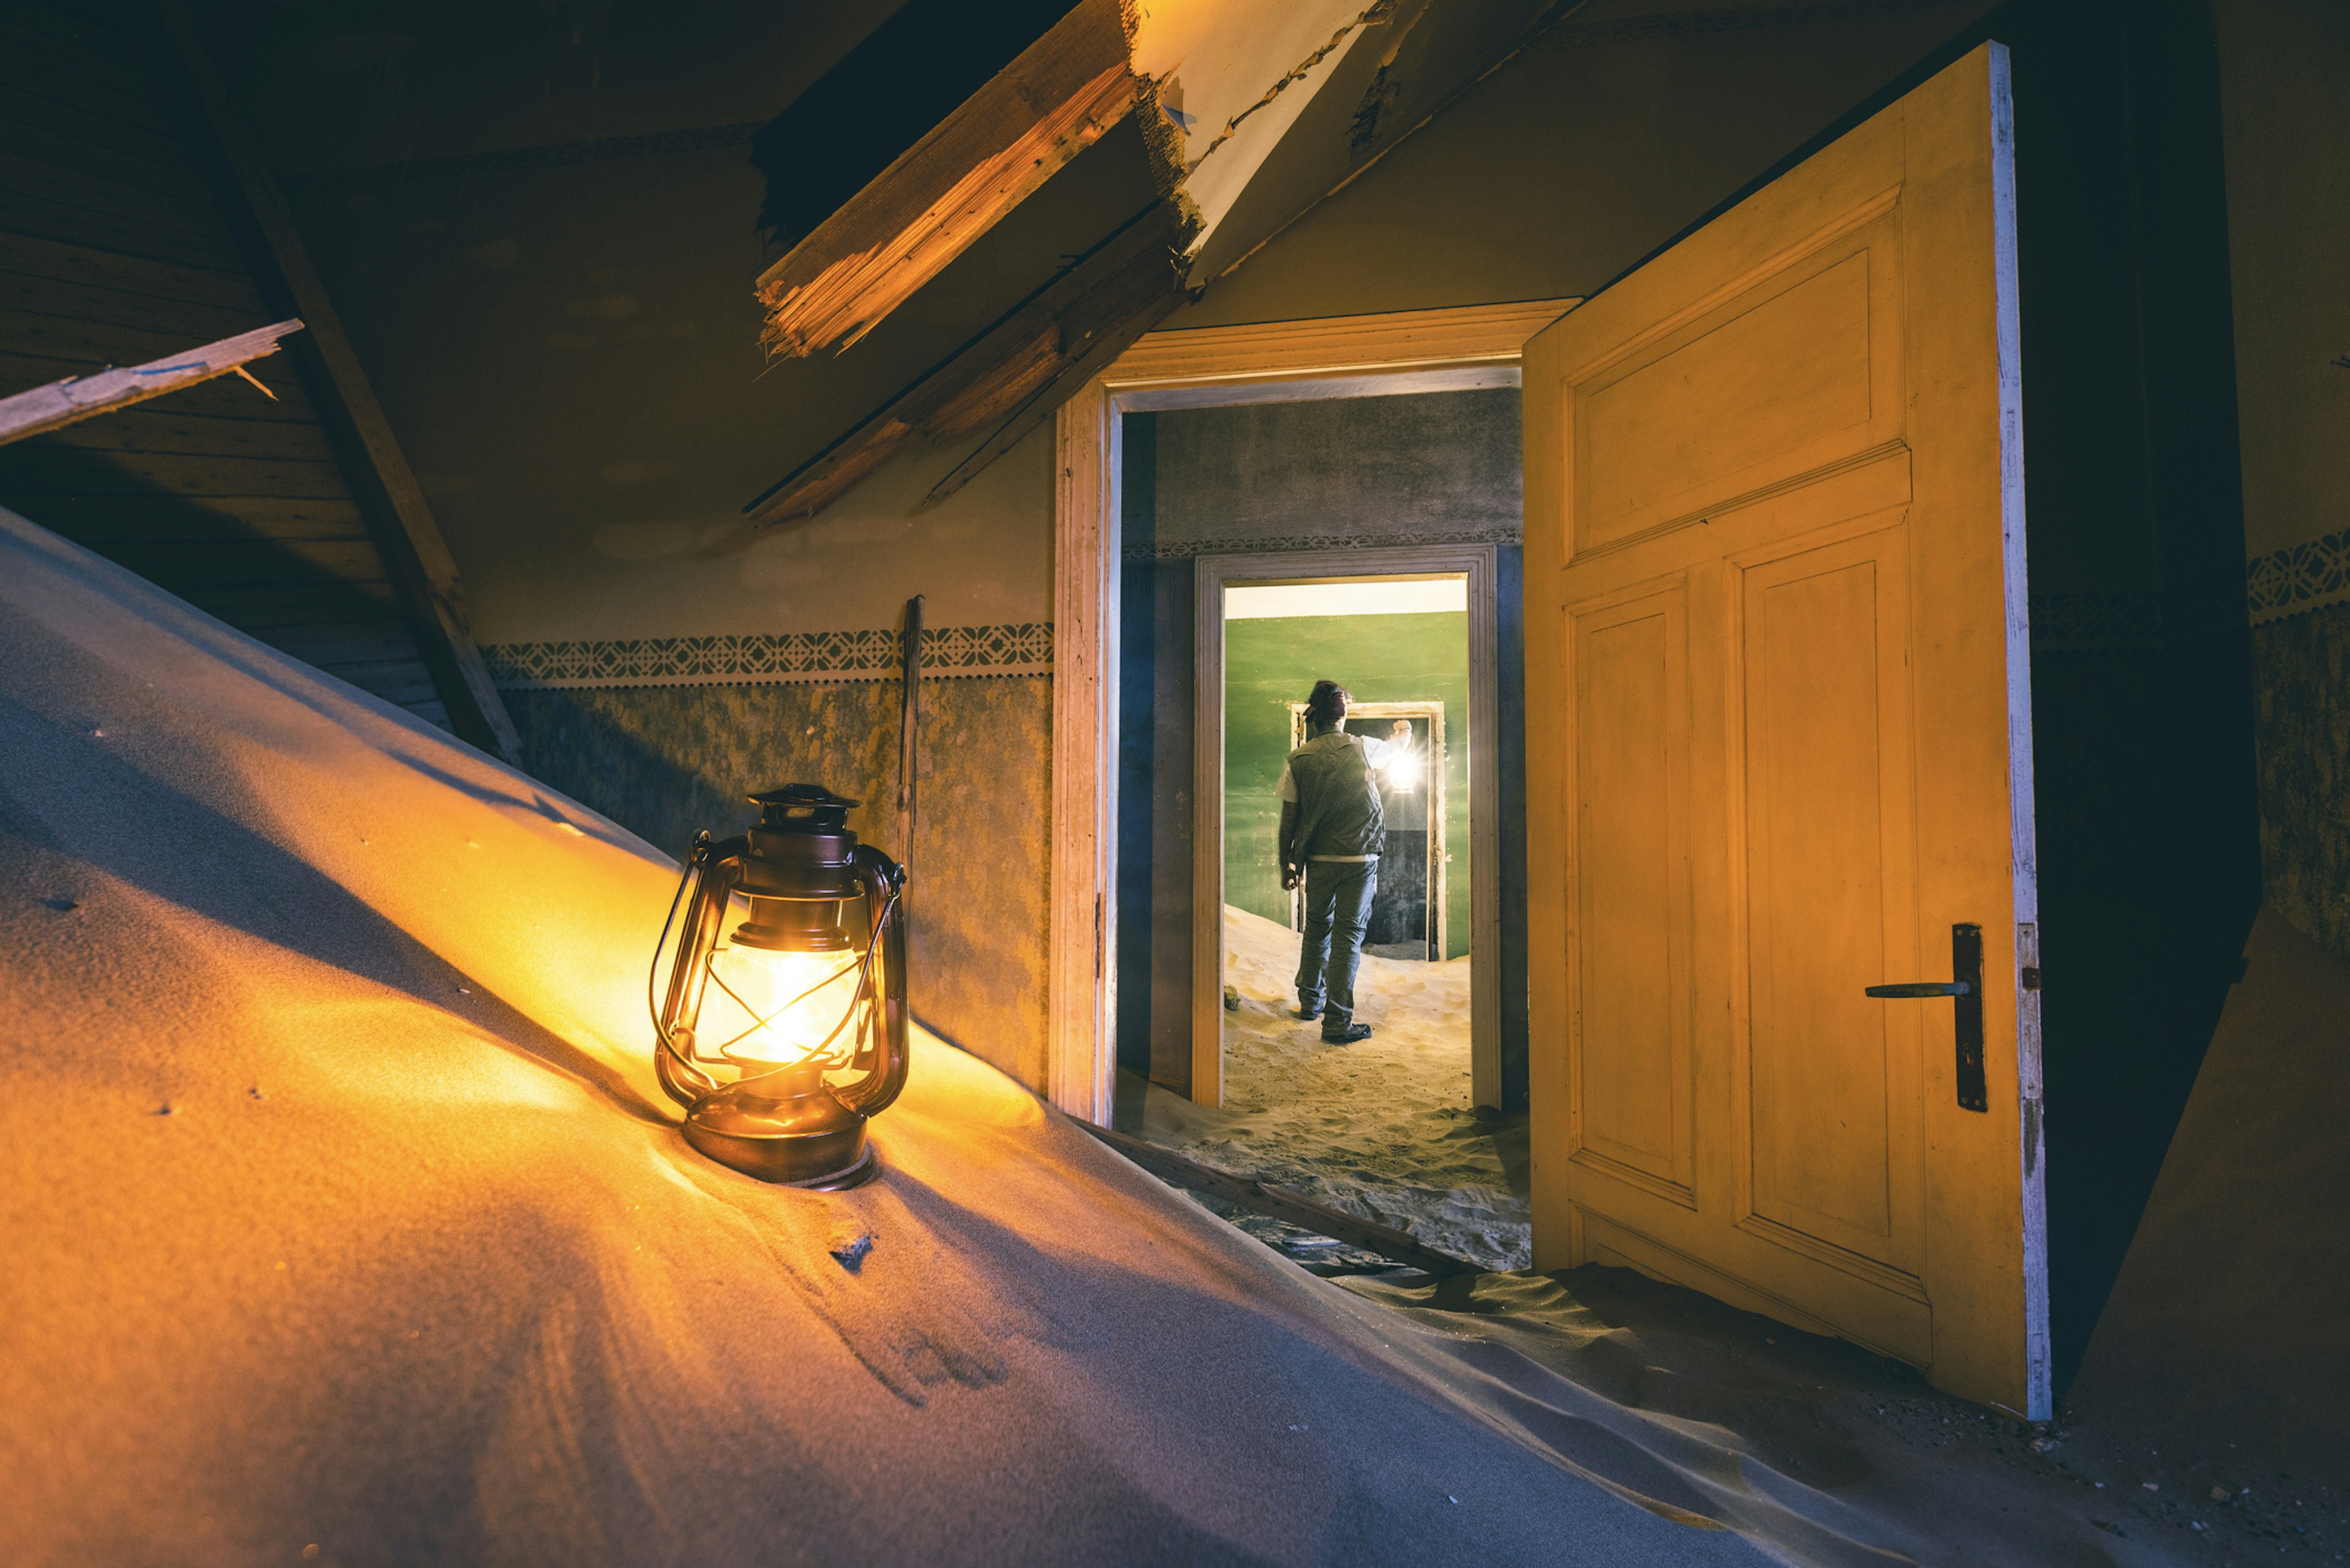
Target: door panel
{"points": [[1798, 367], [1778, 737], [1833, 1112], [1629, 953]]}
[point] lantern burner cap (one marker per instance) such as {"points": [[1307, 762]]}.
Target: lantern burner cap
{"points": [[803, 808]]}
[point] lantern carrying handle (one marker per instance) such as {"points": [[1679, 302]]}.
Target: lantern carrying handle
{"points": [[710, 871], [885, 882]]}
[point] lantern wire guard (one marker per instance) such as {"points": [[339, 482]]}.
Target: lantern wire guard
{"points": [[821, 1003]]}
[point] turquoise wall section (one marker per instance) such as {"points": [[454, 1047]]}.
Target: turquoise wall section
{"points": [[1269, 664]]}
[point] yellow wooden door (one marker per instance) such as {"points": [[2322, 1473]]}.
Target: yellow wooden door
{"points": [[1779, 733]]}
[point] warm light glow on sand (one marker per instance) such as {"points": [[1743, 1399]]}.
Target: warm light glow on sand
{"points": [[341, 1207]]}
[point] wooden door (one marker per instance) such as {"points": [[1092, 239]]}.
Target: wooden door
{"points": [[1779, 733]]}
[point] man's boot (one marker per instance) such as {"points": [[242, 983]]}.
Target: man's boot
{"points": [[1344, 1034]]}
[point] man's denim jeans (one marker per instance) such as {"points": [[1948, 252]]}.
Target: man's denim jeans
{"points": [[1338, 913]]}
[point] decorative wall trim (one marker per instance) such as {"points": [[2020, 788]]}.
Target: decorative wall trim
{"points": [[1283, 544], [792, 655], [2299, 578]]}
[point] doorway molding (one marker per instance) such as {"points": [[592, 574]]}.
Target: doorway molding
{"points": [[1340, 356], [1478, 564]]}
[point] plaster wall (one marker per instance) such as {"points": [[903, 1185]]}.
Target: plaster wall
{"points": [[668, 761], [544, 253], [1591, 148], [2287, 133]]}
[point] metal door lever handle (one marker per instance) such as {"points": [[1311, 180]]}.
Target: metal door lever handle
{"points": [[1965, 986]]}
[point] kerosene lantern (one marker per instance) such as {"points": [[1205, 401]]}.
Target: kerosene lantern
{"points": [[783, 1026]]}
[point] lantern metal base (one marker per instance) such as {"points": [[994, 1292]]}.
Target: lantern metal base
{"points": [[808, 1139]]}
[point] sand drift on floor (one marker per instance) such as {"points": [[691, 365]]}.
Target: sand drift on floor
{"points": [[1383, 1128]]}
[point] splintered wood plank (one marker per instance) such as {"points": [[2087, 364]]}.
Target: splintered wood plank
{"points": [[225, 398], [63, 402], [1007, 368], [88, 345], [1107, 322], [32, 256], [949, 188]]}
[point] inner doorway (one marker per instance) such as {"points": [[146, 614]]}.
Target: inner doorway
{"points": [[1392, 1128], [1385, 1114]]}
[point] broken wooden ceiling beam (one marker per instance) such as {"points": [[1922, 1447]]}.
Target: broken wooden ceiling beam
{"points": [[398, 519], [1055, 100], [1000, 377], [60, 403]]}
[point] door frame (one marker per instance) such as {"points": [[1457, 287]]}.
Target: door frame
{"points": [[1330, 357], [1480, 564]]}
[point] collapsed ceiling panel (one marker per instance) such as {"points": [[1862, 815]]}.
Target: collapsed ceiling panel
{"points": [[1250, 114]]}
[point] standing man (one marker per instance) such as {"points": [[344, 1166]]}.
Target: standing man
{"points": [[1332, 830]]}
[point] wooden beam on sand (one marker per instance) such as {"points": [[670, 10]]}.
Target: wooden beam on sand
{"points": [[1014, 374], [390, 499], [1280, 1203], [61, 403], [928, 206]]}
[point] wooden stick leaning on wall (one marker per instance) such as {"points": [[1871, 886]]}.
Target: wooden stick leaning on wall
{"points": [[393, 505], [76, 398], [910, 719]]}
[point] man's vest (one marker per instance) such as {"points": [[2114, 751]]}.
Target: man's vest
{"points": [[1338, 808]]}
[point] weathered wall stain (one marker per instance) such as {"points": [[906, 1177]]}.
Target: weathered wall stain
{"points": [[666, 761], [2301, 716]]}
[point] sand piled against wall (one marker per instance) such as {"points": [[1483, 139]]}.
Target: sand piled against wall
{"points": [[340, 1209], [343, 1223], [2230, 1321]]}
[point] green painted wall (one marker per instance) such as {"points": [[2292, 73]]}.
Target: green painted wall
{"points": [[1269, 664]]}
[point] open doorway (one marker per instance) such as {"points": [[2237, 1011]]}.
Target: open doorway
{"points": [[1411, 1127], [1391, 1118]]}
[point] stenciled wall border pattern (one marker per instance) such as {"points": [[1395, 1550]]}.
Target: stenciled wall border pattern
{"points": [[1269, 544], [2299, 578], [790, 655]]}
